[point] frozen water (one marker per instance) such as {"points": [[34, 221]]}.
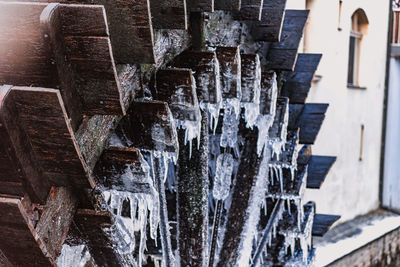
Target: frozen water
{"points": [[77, 256], [223, 176]]}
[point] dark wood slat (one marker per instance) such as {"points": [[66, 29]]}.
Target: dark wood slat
{"points": [[206, 73], [56, 219], [93, 227], [169, 14], [43, 119], [145, 122], [291, 188], [318, 168], [192, 199], [272, 16], [230, 70], [200, 5], [309, 118], [288, 157], [278, 129], [89, 57], [282, 55], [298, 83], [119, 162], [249, 10], [18, 236], [228, 5], [269, 93], [251, 77], [322, 223], [177, 87], [18, 161], [243, 195]]}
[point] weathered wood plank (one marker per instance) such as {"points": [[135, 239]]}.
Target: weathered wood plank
{"points": [[18, 242], [149, 126], [230, 70], [272, 16], [251, 78], [43, 52], [43, 119], [282, 55], [200, 5], [228, 5], [298, 83], [278, 128], [89, 66], [244, 197], [192, 199], [250, 10], [169, 14], [206, 73], [56, 219], [95, 227], [322, 223], [18, 161], [318, 168], [309, 118], [177, 87], [269, 93]]}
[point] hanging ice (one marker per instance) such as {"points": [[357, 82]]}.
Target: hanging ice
{"points": [[223, 176]]}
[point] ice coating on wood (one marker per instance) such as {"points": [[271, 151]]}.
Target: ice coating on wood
{"points": [[230, 123], [223, 176], [78, 256]]}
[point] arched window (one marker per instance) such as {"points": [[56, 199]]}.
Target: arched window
{"points": [[359, 28]]}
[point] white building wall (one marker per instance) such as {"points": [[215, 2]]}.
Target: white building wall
{"points": [[352, 186], [391, 183]]}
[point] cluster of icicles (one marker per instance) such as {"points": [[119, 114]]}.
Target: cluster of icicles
{"points": [[145, 208]]}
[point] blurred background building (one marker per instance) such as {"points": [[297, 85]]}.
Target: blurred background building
{"points": [[358, 40]]}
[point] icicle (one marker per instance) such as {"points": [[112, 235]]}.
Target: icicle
{"points": [[263, 123], [77, 256], [192, 131], [230, 123], [288, 204], [223, 176]]}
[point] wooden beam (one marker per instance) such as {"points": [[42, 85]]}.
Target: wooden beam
{"points": [[95, 227], [118, 163], [58, 53], [297, 84], [269, 93], [19, 240], [250, 78], [43, 122], [272, 16], [144, 122], [200, 5], [309, 118], [250, 10], [318, 168], [205, 71], [177, 87], [227, 5], [230, 70], [278, 129], [282, 55], [322, 223], [55, 221], [169, 14]]}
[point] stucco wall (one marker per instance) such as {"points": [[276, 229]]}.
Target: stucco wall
{"points": [[352, 186]]}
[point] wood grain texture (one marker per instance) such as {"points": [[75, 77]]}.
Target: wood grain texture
{"points": [[93, 227], [250, 10], [282, 55], [43, 119], [149, 126], [169, 14], [205, 71], [56, 219], [250, 78], [177, 87], [230, 71], [269, 93], [18, 160], [18, 242], [270, 26], [227, 5], [297, 84], [318, 169], [200, 5]]}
